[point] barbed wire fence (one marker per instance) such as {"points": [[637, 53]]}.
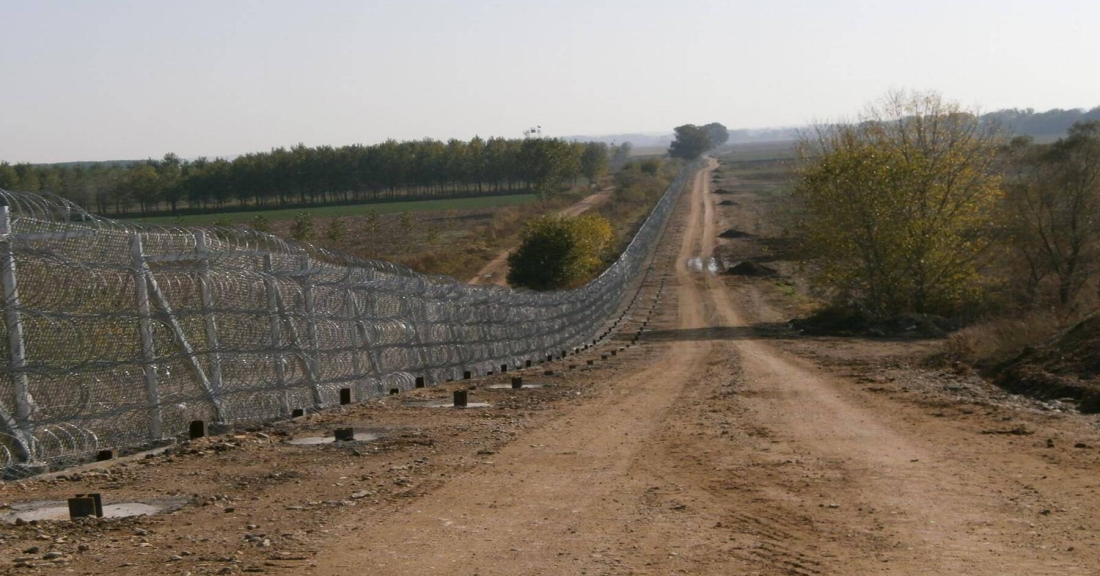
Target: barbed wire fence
{"points": [[118, 335]]}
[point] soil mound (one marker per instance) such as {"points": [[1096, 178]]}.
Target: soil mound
{"points": [[1068, 366], [734, 233], [722, 191], [841, 321], [749, 268], [728, 203]]}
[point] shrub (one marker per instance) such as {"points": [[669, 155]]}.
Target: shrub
{"points": [[560, 252], [302, 230]]}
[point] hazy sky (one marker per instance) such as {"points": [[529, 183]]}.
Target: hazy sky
{"points": [[104, 79]]}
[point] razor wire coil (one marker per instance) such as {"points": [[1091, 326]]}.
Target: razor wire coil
{"points": [[119, 334]]}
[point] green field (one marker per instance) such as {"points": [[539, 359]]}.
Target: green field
{"points": [[349, 209], [781, 150]]}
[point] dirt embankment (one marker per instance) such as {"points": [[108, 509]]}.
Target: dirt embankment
{"points": [[1066, 367]]}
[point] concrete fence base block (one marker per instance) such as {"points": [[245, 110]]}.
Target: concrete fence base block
{"points": [[197, 429], [344, 434], [81, 507], [97, 499]]}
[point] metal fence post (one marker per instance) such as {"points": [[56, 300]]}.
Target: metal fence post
{"points": [[202, 248], [17, 359], [140, 271], [273, 327], [353, 316], [314, 362]]}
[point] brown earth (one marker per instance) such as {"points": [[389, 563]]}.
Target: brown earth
{"points": [[724, 444], [1067, 366], [496, 271]]}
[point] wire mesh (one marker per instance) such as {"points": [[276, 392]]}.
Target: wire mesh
{"points": [[120, 334]]}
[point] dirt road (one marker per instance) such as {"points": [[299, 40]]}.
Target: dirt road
{"points": [[721, 454], [709, 449], [496, 271]]}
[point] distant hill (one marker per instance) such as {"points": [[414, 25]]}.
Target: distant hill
{"points": [[90, 163], [1050, 123]]}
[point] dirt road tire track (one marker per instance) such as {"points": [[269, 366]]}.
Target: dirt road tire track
{"points": [[718, 453]]}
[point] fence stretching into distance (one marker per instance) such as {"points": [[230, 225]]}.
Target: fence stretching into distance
{"points": [[120, 334]]}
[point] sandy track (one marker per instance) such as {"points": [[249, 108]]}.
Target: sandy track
{"points": [[496, 271], [721, 454]]}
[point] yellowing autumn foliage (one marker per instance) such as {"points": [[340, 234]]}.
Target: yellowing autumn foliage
{"points": [[896, 207], [560, 252]]}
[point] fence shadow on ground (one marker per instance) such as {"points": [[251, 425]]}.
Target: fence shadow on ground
{"points": [[754, 332]]}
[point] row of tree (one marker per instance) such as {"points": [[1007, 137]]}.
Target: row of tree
{"points": [[303, 175], [925, 207]]}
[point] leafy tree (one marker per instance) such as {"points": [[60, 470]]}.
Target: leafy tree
{"points": [[896, 207], [559, 252], [476, 162], [638, 182], [690, 142], [29, 180], [546, 163], [145, 184], [621, 153], [9, 178], [169, 171], [593, 234], [595, 160], [302, 229], [718, 133]]}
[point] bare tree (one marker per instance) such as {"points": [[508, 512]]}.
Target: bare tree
{"points": [[1054, 200]]}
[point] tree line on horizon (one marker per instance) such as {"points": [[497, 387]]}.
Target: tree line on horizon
{"points": [[303, 176]]}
